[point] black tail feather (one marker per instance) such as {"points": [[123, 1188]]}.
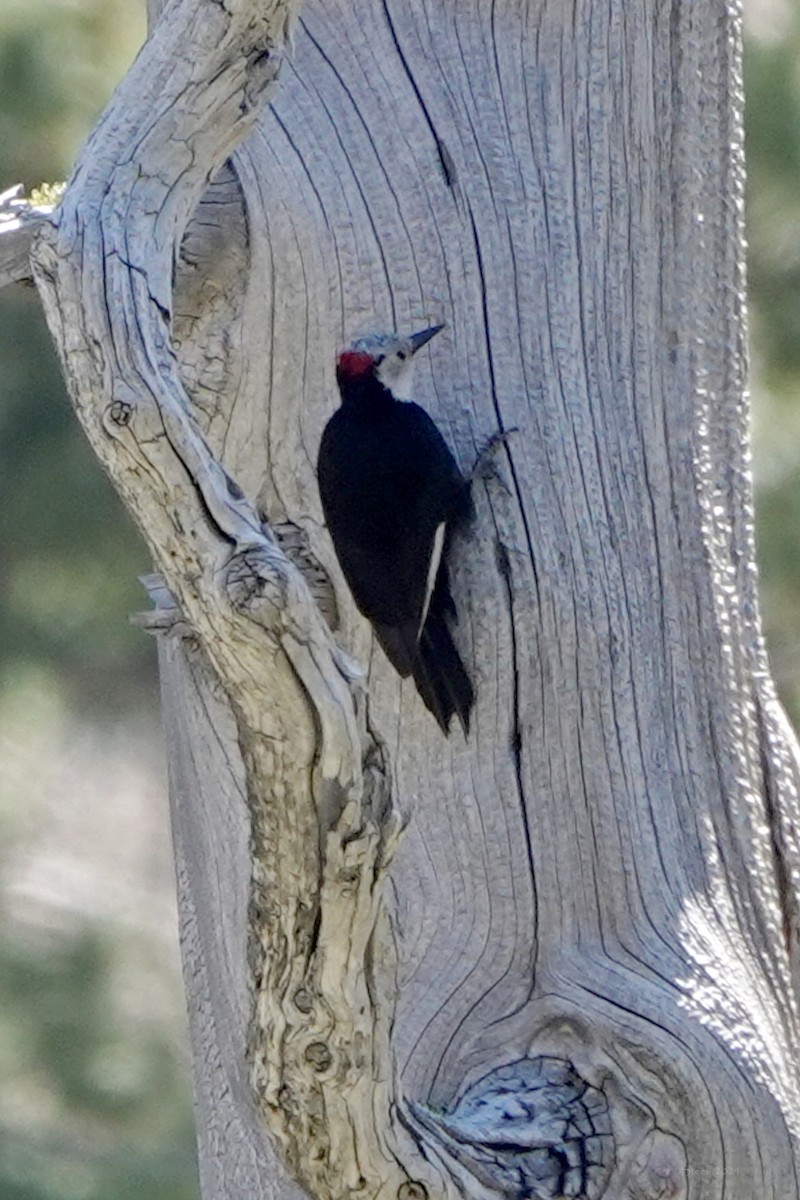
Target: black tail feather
{"points": [[433, 660], [439, 674], [431, 657], [399, 644]]}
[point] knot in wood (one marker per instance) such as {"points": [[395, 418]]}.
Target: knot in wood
{"points": [[412, 1189], [348, 879], [263, 64], [293, 540], [257, 586], [259, 57], [303, 1000], [534, 1128], [233, 488], [318, 1055], [118, 414]]}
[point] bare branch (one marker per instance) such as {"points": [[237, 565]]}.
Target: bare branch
{"points": [[322, 832], [20, 221]]}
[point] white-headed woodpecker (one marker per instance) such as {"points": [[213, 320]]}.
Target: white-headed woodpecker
{"points": [[392, 493]]}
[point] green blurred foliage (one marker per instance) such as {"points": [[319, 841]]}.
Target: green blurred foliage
{"points": [[93, 1104], [773, 212], [99, 1104], [70, 555], [59, 63], [772, 91]]}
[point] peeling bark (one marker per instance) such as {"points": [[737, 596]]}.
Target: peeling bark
{"points": [[575, 972]]}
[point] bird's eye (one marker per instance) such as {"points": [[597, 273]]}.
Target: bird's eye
{"points": [[379, 359], [401, 354]]}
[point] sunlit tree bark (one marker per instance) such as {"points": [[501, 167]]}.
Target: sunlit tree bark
{"points": [[558, 958]]}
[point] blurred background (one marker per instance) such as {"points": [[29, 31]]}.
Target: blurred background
{"points": [[94, 1090]]}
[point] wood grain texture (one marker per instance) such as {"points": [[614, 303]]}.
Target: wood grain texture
{"points": [[562, 184], [599, 889], [210, 836]]}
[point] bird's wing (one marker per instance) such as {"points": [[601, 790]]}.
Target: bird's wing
{"points": [[427, 436], [388, 519], [443, 494]]}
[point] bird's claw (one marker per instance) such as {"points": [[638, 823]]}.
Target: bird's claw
{"points": [[484, 467]]}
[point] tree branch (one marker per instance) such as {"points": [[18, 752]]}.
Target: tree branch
{"points": [[322, 825], [20, 221]]}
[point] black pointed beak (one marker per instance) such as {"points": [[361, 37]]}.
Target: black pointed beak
{"points": [[418, 340]]}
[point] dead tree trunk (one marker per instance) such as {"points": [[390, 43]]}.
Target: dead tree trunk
{"points": [[559, 959]]}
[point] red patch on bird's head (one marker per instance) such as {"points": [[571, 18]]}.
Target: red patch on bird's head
{"points": [[354, 365]]}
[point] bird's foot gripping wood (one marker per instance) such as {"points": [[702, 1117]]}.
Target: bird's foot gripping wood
{"points": [[484, 466]]}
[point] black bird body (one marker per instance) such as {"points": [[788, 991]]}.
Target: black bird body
{"points": [[392, 492]]}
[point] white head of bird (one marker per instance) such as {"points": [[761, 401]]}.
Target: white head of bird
{"points": [[387, 356]]}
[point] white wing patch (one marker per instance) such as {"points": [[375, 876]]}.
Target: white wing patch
{"points": [[433, 570]]}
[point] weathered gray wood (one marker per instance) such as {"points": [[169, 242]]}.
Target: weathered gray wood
{"points": [[592, 916], [323, 827], [211, 843]]}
